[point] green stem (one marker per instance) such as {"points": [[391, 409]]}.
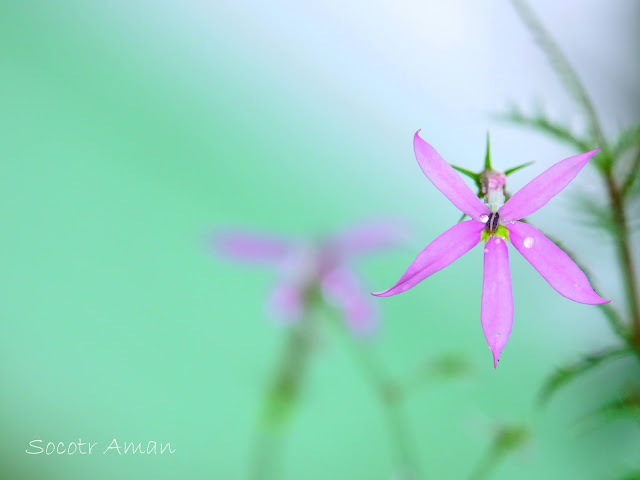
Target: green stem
{"points": [[390, 397], [563, 69], [625, 257], [486, 465], [280, 401], [505, 441], [616, 194], [266, 453], [631, 176], [615, 320]]}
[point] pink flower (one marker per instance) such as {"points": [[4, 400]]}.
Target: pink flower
{"points": [[497, 222], [311, 270]]}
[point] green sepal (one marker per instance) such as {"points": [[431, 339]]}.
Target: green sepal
{"points": [[515, 169], [487, 158], [502, 232], [473, 175]]}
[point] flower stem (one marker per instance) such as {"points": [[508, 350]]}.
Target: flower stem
{"points": [[563, 69], [390, 396], [625, 257], [575, 88], [506, 440], [280, 402], [486, 465]]}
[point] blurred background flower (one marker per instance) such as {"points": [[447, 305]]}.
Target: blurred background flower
{"points": [[312, 270]]}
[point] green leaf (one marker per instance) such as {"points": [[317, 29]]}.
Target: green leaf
{"points": [[614, 318], [629, 137], [545, 126], [562, 67], [630, 476], [623, 407], [515, 169], [594, 214], [563, 375], [631, 182], [511, 437], [448, 366]]}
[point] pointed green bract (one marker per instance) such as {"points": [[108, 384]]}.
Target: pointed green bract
{"points": [[473, 175], [487, 158], [502, 233], [515, 169]]}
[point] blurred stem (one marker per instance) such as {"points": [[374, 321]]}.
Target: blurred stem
{"points": [[617, 323], [266, 453], [625, 258], [280, 400], [506, 440], [563, 69], [487, 465], [390, 397], [632, 176]]}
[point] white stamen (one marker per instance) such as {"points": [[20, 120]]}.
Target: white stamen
{"points": [[494, 199]]}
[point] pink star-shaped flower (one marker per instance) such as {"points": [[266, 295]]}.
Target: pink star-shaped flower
{"points": [[498, 222]]}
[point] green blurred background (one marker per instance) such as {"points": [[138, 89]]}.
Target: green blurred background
{"points": [[128, 130]]}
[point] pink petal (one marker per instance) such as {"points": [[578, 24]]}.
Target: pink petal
{"points": [[553, 264], [250, 247], [543, 188], [286, 303], [448, 247], [497, 297], [342, 289], [370, 237], [445, 179]]}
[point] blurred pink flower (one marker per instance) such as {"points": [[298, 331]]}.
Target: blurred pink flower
{"points": [[496, 222], [308, 268]]}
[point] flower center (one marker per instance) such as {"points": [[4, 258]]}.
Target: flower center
{"points": [[492, 188], [492, 223]]}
